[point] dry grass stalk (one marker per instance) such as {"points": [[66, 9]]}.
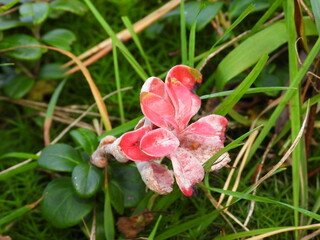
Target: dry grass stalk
{"points": [[288, 229], [105, 47]]}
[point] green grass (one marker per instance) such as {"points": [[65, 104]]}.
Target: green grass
{"points": [[235, 71]]}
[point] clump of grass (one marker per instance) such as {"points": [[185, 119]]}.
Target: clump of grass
{"points": [[235, 62]]}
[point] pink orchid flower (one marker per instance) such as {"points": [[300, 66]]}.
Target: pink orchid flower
{"points": [[164, 132]]}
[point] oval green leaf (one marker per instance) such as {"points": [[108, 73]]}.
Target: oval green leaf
{"points": [[18, 86], [34, 13], [129, 179], [74, 6], [117, 199], [86, 139], [28, 54], [60, 38], [52, 71], [86, 180], [61, 206], [59, 157]]}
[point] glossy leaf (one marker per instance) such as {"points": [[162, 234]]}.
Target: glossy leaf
{"points": [[74, 6], [117, 199], [86, 179], [59, 157], [27, 54], [34, 13], [238, 6], [6, 23], [204, 10], [86, 139], [128, 178], [18, 86], [52, 71], [60, 38], [61, 206]]}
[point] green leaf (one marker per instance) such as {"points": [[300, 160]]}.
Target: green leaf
{"points": [[86, 179], [74, 6], [86, 139], [34, 13], [18, 86], [204, 10], [117, 200], [28, 54], [8, 23], [61, 206], [238, 6], [129, 179], [248, 52], [60, 38], [59, 157], [52, 71]]}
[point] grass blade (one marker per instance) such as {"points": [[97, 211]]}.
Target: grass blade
{"points": [[236, 143], [18, 212], [315, 4], [295, 113], [19, 168], [154, 230], [230, 101], [183, 33], [108, 219], [202, 63], [49, 114], [197, 222], [117, 131], [294, 84], [118, 83], [192, 42], [248, 91], [19, 155], [135, 38], [136, 66], [247, 196]]}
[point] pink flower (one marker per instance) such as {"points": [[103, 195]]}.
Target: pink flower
{"points": [[164, 132]]}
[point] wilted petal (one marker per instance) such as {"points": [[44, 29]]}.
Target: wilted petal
{"points": [[185, 103], [187, 169], [221, 162], [158, 109], [159, 142], [157, 177], [205, 137], [129, 144], [188, 76]]}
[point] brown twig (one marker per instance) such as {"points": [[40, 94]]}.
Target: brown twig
{"points": [[106, 46]]}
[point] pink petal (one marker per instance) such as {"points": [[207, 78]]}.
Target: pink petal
{"points": [[212, 125], [187, 170], [185, 103], [188, 76], [159, 143], [204, 138], [154, 85], [158, 110], [130, 145], [157, 177]]}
